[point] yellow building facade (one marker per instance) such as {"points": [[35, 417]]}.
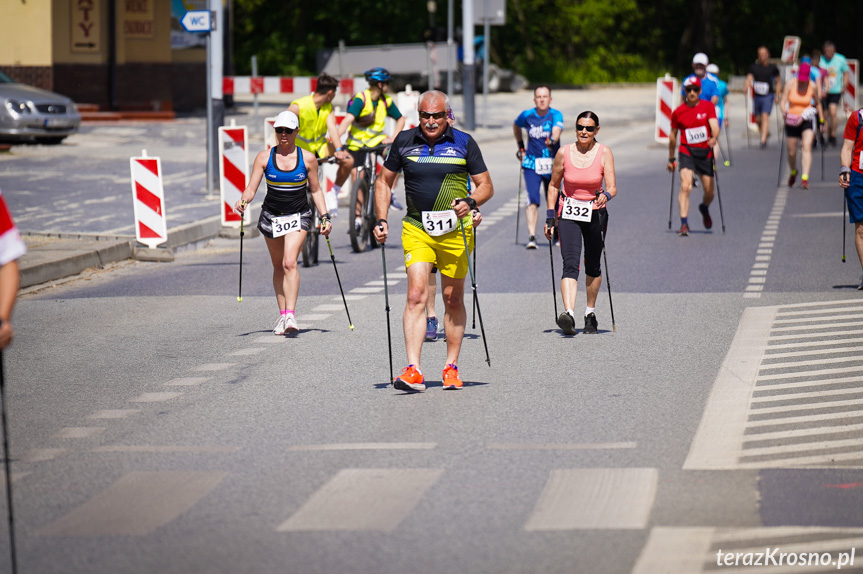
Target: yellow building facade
{"points": [[117, 54]]}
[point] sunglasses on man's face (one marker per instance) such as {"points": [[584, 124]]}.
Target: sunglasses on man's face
{"points": [[692, 89], [435, 115], [284, 130], [589, 129]]}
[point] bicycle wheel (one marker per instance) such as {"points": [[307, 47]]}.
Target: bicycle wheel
{"points": [[359, 237]]}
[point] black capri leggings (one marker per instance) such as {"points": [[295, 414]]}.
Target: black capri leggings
{"points": [[571, 233]]}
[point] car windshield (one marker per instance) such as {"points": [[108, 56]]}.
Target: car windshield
{"points": [[4, 79]]}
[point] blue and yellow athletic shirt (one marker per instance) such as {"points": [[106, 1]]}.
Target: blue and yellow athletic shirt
{"points": [[286, 190], [538, 130], [436, 174]]}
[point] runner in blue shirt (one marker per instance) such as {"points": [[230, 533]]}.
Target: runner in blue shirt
{"points": [[709, 82], [544, 125], [722, 92]]}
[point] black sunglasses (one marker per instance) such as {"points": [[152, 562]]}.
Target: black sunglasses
{"points": [[435, 115], [284, 130], [692, 88], [589, 129]]}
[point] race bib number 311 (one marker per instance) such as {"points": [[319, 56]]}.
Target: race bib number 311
{"points": [[439, 222]]}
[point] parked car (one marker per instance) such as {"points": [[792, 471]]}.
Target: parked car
{"points": [[33, 114]]}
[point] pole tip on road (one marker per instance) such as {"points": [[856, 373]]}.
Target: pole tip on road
{"points": [[351, 327], [239, 299], [727, 163]]}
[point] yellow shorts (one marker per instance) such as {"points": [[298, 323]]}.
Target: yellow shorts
{"points": [[444, 251]]}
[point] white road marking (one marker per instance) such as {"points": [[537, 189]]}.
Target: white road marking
{"points": [[136, 505], [366, 290], [164, 449], [359, 499], [154, 397], [213, 367], [113, 414], [79, 432], [42, 454], [351, 298], [329, 307], [562, 446], [364, 446], [186, 381], [381, 283], [595, 498]]}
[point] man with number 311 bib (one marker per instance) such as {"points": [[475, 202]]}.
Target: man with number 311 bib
{"points": [[699, 129]]}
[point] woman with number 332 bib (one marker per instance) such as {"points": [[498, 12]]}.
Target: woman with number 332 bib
{"points": [[582, 166], [286, 216]]}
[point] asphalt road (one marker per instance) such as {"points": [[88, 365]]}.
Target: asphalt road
{"points": [[158, 426]]}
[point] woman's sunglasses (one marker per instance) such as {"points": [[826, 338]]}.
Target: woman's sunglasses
{"points": [[589, 129], [284, 130]]}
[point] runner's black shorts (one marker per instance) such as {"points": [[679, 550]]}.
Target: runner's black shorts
{"points": [[797, 131], [265, 221], [699, 166], [573, 234], [833, 98]]}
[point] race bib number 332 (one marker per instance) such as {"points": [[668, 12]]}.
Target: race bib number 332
{"points": [[576, 209]]}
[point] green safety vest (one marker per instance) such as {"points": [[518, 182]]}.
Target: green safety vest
{"points": [[313, 124], [373, 133]]}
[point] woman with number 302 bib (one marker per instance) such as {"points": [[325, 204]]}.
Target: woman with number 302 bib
{"points": [[579, 207], [286, 216]]}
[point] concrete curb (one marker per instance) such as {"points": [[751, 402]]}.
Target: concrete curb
{"points": [[73, 254]]}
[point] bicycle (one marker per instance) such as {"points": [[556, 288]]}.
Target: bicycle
{"points": [[365, 185], [310, 243]]}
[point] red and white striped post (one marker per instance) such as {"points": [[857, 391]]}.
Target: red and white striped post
{"points": [[148, 197], [270, 132], [666, 101], [233, 172], [850, 96], [285, 85]]}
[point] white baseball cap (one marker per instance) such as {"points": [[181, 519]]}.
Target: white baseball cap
{"points": [[713, 69], [287, 120], [700, 58]]}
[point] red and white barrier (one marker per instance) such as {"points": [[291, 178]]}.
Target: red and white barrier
{"points": [[285, 85], [850, 95], [233, 172], [148, 198], [790, 49], [751, 122], [667, 98]]}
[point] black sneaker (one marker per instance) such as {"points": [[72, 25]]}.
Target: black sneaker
{"points": [[566, 323], [705, 216], [590, 324]]}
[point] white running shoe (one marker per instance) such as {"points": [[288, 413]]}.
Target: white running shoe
{"points": [[280, 326], [531, 242], [291, 324]]}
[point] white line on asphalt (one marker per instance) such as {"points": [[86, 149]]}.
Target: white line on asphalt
{"points": [[832, 336], [381, 283], [154, 397], [186, 381], [804, 419], [831, 350], [801, 433], [815, 383], [562, 446], [674, 550], [813, 372], [819, 461], [164, 449], [42, 454], [801, 448], [366, 290], [136, 504], [790, 308], [595, 498], [79, 432], [351, 298], [365, 446], [213, 367], [362, 499], [820, 314], [807, 406], [794, 364], [329, 307], [113, 414], [806, 395]]}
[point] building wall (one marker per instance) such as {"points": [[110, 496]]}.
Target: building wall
{"points": [[25, 41]]}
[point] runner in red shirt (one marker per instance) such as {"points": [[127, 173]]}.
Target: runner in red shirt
{"points": [[851, 179], [699, 129], [11, 248]]}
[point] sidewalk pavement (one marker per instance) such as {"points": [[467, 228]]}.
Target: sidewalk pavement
{"points": [[55, 256]]}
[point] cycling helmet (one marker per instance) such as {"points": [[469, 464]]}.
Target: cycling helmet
{"points": [[377, 75]]}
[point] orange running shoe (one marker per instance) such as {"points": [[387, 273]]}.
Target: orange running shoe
{"points": [[411, 379], [451, 378]]}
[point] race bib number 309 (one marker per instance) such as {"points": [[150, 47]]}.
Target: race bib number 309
{"points": [[439, 222], [696, 135]]}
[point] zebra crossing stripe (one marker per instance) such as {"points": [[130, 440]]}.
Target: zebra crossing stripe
{"points": [[363, 499], [136, 504]]}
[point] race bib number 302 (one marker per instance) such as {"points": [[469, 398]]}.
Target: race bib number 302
{"points": [[696, 135], [286, 224], [576, 209], [439, 222]]}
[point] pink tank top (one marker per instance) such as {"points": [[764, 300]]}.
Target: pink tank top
{"points": [[582, 183]]}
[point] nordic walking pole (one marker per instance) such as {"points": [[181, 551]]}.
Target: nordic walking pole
{"points": [[518, 204], [473, 284], [6, 463], [844, 225], [671, 199], [387, 303], [746, 122], [781, 142], [474, 268], [242, 232], [607, 280], [728, 145], [551, 258], [336, 269], [719, 197]]}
